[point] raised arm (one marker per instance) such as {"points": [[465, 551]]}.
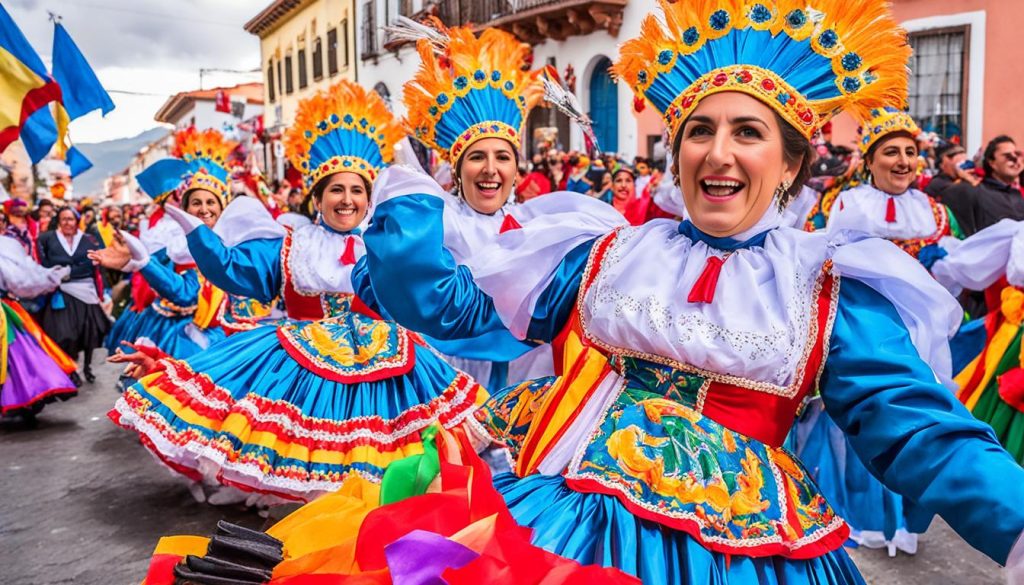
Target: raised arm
{"points": [[415, 277], [912, 433], [250, 268]]}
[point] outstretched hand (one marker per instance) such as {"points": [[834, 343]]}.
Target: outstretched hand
{"points": [[139, 363], [115, 256]]}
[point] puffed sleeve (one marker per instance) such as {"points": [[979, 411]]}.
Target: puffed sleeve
{"points": [[415, 278], [912, 433], [21, 276], [180, 289], [250, 269]]}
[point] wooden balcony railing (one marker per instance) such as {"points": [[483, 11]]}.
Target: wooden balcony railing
{"points": [[533, 21]]}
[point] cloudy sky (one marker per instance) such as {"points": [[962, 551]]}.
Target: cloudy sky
{"points": [[150, 47]]}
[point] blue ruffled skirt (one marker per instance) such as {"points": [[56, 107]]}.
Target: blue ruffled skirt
{"points": [[252, 413], [597, 529], [178, 337], [875, 514]]}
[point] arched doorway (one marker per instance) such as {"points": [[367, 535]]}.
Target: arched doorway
{"points": [[604, 105]]}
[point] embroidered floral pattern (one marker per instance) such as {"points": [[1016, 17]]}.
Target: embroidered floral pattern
{"points": [[350, 348], [668, 463]]}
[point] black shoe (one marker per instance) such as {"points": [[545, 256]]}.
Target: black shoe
{"points": [[76, 379], [89, 377]]}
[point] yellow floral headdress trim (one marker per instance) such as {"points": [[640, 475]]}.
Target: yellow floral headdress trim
{"points": [[806, 59], [343, 129], [469, 88]]}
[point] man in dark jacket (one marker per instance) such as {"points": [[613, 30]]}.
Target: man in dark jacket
{"points": [[997, 197], [950, 157]]}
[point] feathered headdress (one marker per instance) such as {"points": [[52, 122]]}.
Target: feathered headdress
{"points": [[884, 121], [201, 162], [806, 59], [206, 153], [468, 88], [343, 129]]}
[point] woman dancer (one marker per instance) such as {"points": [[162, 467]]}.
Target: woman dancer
{"points": [[688, 347], [987, 352], [30, 378], [469, 100], [182, 319], [330, 397], [887, 204], [73, 316]]}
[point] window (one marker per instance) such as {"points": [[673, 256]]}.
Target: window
{"points": [[369, 29], [344, 43], [272, 94], [280, 78], [937, 96], [303, 77], [332, 51], [289, 84], [318, 59]]}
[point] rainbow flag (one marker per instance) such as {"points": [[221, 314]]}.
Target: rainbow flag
{"points": [[26, 89]]}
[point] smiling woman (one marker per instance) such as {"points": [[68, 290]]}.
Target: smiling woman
{"points": [[889, 205], [352, 392]]}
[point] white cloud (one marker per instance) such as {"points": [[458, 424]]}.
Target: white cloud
{"points": [[146, 47]]}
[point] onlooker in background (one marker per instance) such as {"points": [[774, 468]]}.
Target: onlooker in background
{"points": [[950, 158], [536, 183], [643, 174], [44, 213], [20, 226], [577, 181], [556, 170], [295, 200], [73, 316], [604, 189], [997, 196]]}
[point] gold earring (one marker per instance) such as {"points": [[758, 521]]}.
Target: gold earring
{"points": [[782, 189]]}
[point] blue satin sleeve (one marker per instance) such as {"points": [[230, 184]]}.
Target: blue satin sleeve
{"points": [[180, 289], [912, 433], [363, 288], [250, 269], [415, 277], [556, 303]]}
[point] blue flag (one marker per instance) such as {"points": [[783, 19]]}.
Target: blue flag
{"points": [[82, 92], [77, 161], [26, 90]]}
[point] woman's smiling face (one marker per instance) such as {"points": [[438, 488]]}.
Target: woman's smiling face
{"points": [[344, 201], [487, 172], [893, 164], [730, 162]]}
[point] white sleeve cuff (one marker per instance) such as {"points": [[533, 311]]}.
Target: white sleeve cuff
{"points": [[187, 222]]}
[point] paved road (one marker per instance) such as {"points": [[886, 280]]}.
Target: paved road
{"points": [[82, 502]]}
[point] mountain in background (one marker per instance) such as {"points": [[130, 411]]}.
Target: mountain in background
{"points": [[110, 157]]}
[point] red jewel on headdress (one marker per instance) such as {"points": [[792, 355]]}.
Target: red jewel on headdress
{"points": [[745, 76], [720, 79], [688, 101], [768, 84]]}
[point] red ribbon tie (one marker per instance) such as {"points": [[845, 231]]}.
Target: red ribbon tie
{"points": [[890, 210], [703, 290], [348, 257]]}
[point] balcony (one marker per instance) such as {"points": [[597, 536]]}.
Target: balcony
{"points": [[534, 21]]}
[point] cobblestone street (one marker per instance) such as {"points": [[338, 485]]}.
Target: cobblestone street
{"points": [[84, 503]]}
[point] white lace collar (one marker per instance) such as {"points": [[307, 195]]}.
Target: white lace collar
{"points": [[864, 208], [314, 260]]}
